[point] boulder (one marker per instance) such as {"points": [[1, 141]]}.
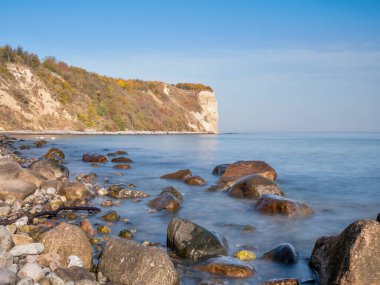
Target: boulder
{"points": [[276, 205], [46, 166], [94, 157], [121, 159], [220, 169], [192, 241], [66, 240], [73, 191], [9, 169], [283, 253], [195, 180], [239, 169], [54, 154], [165, 201], [31, 176], [17, 188], [178, 175], [127, 262], [226, 266], [253, 186], [8, 277], [116, 153], [352, 257]]}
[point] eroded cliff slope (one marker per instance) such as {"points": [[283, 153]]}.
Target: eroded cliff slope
{"points": [[50, 95]]}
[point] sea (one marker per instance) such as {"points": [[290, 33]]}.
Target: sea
{"points": [[337, 174]]}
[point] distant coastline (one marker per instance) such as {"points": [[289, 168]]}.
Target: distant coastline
{"points": [[23, 132]]}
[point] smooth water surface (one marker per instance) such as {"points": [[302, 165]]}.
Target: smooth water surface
{"points": [[337, 174]]}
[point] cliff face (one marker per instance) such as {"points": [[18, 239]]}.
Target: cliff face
{"points": [[55, 96]]}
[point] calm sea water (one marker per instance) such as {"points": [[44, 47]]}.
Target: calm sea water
{"points": [[337, 174]]}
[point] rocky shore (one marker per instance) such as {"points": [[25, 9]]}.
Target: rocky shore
{"points": [[47, 237]]}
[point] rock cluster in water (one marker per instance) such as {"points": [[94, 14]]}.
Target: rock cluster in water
{"points": [[69, 249]]}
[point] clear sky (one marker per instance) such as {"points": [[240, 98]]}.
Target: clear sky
{"points": [[275, 65]]}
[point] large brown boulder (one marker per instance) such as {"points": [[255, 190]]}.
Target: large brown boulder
{"points": [[65, 240], [276, 205], [192, 241], [165, 201], [237, 170], [17, 188], [127, 262], [253, 186], [94, 157], [55, 154], [350, 258], [46, 166], [178, 175]]}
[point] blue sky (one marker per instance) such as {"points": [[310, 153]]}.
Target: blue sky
{"points": [[284, 65]]}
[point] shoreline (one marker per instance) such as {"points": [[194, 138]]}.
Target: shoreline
{"points": [[21, 132]]}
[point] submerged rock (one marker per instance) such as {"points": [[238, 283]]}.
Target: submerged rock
{"points": [[174, 192], [286, 281], [40, 143], [55, 154], [227, 266], [195, 180], [192, 241], [125, 234], [122, 159], [110, 216], [253, 186], [116, 153], [283, 253], [276, 205], [122, 166], [178, 175], [239, 169], [46, 166], [245, 255], [127, 262], [220, 169], [117, 191], [94, 157], [165, 201], [352, 257], [66, 240]]}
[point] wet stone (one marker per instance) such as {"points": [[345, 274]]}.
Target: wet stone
{"points": [[110, 216], [174, 192], [94, 157], [122, 166], [283, 253], [226, 266], [220, 169], [195, 181], [125, 234], [121, 159], [165, 201], [178, 175], [286, 281], [120, 192]]}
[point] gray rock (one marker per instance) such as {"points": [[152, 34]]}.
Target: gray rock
{"points": [[14, 268], [17, 188], [220, 169], [253, 186], [9, 169], [127, 262], [8, 277], [6, 242], [41, 166], [31, 176], [27, 249], [192, 241], [352, 257], [31, 270], [6, 259]]}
